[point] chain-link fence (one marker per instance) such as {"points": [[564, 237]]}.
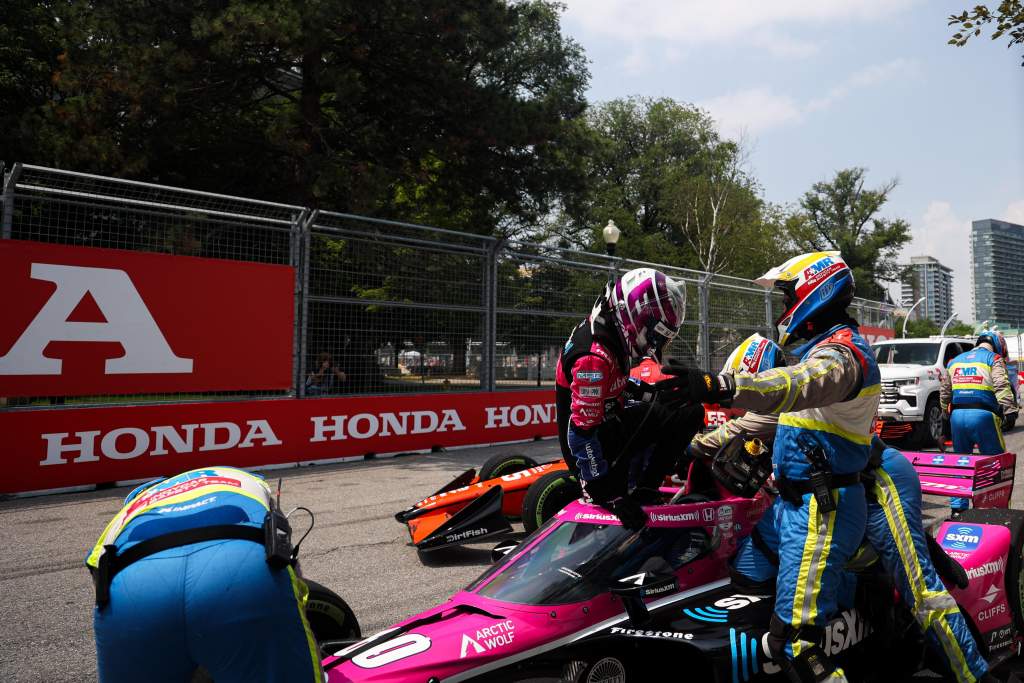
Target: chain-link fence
{"points": [[382, 306]]}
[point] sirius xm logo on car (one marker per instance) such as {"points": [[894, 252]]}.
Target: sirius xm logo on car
{"points": [[962, 537]]}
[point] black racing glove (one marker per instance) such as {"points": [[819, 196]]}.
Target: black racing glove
{"points": [[643, 392], [694, 386], [629, 512]]}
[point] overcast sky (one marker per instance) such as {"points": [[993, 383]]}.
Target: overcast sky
{"points": [[819, 86]]}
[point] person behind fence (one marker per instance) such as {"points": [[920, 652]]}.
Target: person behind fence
{"points": [[326, 379], [826, 404], [895, 528], [622, 453], [974, 394], [198, 571]]}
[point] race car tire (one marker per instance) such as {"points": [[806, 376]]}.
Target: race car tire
{"points": [[605, 670], [505, 463], [548, 495], [1014, 521], [330, 617]]}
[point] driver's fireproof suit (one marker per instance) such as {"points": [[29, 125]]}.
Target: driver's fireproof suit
{"points": [[895, 529], [609, 445], [215, 603], [831, 395], [977, 389]]}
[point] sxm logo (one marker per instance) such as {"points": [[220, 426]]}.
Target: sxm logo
{"points": [[962, 537]]}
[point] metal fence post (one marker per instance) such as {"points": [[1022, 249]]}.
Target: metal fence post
{"points": [[305, 248], [768, 312], [7, 222], [488, 355], [705, 320], [295, 261]]}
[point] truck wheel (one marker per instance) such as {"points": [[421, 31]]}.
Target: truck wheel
{"points": [[1014, 521], [928, 432], [547, 496], [505, 463], [933, 418]]}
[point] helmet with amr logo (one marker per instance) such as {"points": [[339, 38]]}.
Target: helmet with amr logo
{"points": [[648, 308], [755, 354], [994, 339], [811, 284]]}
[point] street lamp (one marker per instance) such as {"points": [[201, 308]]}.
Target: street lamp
{"points": [[942, 332], [611, 234], [918, 303]]}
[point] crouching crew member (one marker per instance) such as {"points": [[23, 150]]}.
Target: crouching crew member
{"points": [[197, 571]]}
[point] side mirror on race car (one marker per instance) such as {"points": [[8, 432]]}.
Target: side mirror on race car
{"points": [[742, 466], [502, 549], [646, 584]]}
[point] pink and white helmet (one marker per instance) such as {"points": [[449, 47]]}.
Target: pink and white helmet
{"points": [[649, 307]]}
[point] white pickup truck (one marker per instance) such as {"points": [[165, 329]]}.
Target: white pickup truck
{"points": [[912, 370]]}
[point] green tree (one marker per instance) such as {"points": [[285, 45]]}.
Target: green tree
{"points": [[1008, 18], [29, 51], [680, 193], [841, 214], [452, 112]]}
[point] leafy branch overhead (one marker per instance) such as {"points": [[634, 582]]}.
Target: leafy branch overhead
{"points": [[842, 214], [1008, 18]]}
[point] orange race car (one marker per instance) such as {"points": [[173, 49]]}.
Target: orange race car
{"points": [[478, 505]]}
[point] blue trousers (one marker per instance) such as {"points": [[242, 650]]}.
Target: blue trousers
{"points": [[896, 531], [970, 427], [895, 528], [216, 604]]}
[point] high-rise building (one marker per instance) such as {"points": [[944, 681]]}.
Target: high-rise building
{"points": [[997, 252], [929, 279]]}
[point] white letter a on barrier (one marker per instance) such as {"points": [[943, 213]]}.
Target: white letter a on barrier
{"points": [[129, 323]]}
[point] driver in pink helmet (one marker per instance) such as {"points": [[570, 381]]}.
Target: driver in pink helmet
{"points": [[621, 453]]}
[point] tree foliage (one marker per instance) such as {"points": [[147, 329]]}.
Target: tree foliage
{"points": [[678, 191], [841, 214], [1008, 18], [449, 112]]}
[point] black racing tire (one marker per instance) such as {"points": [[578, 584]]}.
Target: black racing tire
{"points": [[1014, 521], [547, 496], [330, 617], [505, 463], [605, 670]]}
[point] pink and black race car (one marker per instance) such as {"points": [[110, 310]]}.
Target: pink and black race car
{"points": [[583, 599]]}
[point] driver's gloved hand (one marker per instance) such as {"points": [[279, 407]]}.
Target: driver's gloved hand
{"points": [[635, 390], [629, 512], [693, 386]]}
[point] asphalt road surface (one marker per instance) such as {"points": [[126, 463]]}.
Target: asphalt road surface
{"points": [[357, 549]]}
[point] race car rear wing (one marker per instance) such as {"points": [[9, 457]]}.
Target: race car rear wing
{"points": [[985, 479]]}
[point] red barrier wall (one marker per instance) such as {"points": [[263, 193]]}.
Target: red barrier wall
{"points": [[45, 449], [88, 321]]}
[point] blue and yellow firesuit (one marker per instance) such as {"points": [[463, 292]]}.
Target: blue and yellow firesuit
{"points": [[215, 604], [831, 396], [894, 528], [977, 390]]}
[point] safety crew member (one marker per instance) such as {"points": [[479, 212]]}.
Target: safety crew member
{"points": [[975, 393], [602, 438], [826, 404], [895, 529], [186, 577]]}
